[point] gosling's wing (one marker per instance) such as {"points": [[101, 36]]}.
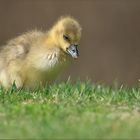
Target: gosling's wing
{"points": [[19, 47]]}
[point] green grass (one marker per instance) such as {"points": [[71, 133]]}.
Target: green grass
{"points": [[79, 110]]}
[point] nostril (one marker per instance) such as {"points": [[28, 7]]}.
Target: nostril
{"points": [[73, 51]]}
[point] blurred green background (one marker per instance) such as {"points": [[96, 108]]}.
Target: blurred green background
{"points": [[110, 44]]}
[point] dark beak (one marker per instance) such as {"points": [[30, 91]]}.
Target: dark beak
{"points": [[73, 51]]}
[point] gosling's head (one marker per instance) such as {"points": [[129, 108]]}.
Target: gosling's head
{"points": [[67, 33]]}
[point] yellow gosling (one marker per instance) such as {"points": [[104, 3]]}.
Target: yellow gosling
{"points": [[38, 57]]}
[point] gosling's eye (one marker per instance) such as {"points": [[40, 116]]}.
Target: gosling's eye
{"points": [[66, 38]]}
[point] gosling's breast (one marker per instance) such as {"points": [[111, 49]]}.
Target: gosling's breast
{"points": [[46, 68]]}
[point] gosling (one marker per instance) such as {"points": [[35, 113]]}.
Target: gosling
{"points": [[36, 57]]}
